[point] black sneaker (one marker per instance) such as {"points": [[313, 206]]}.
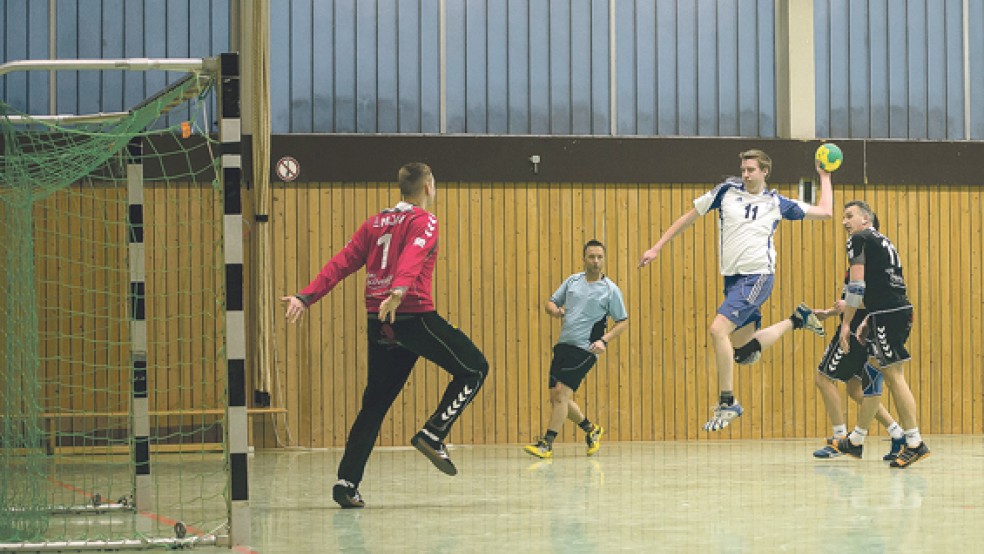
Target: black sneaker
{"points": [[844, 446], [436, 453], [897, 446], [910, 455], [346, 495]]}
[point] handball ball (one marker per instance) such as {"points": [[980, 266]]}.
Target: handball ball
{"points": [[830, 157]]}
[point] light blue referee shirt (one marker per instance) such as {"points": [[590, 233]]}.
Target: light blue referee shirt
{"points": [[585, 305]]}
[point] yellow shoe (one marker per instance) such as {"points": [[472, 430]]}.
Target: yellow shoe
{"points": [[594, 439], [541, 450]]}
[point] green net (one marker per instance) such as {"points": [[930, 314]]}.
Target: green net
{"points": [[67, 469]]}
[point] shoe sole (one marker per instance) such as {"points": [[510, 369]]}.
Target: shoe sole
{"points": [[897, 465], [722, 422], [441, 463], [341, 496], [851, 454], [813, 324], [826, 455], [536, 452]]}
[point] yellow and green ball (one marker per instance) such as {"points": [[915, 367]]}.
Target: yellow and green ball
{"points": [[830, 156]]}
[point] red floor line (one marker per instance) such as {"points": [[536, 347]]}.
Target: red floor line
{"points": [[151, 515]]}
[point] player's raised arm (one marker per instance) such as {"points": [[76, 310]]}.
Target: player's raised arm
{"points": [[824, 208], [828, 158]]}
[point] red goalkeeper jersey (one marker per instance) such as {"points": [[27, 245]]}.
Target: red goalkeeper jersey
{"points": [[398, 246]]}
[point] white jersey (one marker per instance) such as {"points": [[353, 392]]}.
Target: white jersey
{"points": [[746, 224]]}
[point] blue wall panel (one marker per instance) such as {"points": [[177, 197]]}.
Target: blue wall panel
{"points": [[695, 68], [23, 35], [497, 54], [560, 67], [525, 67], [300, 41], [518, 59], [885, 68], [895, 69], [667, 91], [976, 47], [104, 29]]}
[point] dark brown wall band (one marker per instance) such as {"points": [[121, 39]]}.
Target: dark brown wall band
{"points": [[366, 158]]}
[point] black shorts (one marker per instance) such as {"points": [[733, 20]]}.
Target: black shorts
{"points": [[888, 331], [843, 366], [569, 365], [885, 341]]}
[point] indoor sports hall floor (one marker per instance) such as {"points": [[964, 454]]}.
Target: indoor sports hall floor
{"points": [[711, 496]]}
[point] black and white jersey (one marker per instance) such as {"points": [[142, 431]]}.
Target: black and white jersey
{"points": [[884, 284]]}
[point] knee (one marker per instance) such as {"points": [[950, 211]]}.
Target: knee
{"points": [[719, 333], [558, 394], [474, 372], [483, 367]]}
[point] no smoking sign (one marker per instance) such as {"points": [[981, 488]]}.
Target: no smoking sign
{"points": [[288, 169]]}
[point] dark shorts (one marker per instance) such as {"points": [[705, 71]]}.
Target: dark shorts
{"points": [[569, 365], [888, 332], [743, 298], [885, 342], [843, 366]]}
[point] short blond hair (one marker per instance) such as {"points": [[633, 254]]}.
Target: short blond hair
{"points": [[763, 159]]}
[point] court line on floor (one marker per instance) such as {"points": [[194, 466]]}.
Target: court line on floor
{"points": [[157, 517]]}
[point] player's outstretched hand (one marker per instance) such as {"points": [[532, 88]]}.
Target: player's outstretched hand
{"points": [[824, 314], [648, 256], [295, 308]]}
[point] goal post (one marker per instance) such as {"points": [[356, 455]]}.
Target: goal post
{"points": [[122, 384]]}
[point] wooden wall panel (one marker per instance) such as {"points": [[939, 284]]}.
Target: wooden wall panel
{"points": [[82, 276], [506, 246]]}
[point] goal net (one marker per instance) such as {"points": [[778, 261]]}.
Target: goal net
{"points": [[113, 419]]}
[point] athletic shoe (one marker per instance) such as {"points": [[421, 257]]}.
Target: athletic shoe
{"points": [[845, 446], [827, 451], [347, 496], [593, 439], [897, 446], [722, 416], [435, 452], [541, 449], [909, 455], [803, 317]]}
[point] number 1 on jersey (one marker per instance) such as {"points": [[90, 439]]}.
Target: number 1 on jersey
{"points": [[385, 242]]}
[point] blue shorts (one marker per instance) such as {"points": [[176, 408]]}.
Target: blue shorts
{"points": [[743, 296]]}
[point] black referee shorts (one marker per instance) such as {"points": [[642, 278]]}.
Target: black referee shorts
{"points": [[569, 365]]}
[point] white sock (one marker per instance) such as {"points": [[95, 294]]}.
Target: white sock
{"points": [[840, 430], [912, 437], [895, 430], [857, 436]]}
